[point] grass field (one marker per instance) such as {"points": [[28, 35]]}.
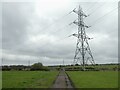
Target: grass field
{"points": [[0, 79], [28, 79], [94, 79]]}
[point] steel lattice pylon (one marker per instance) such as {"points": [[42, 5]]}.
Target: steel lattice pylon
{"points": [[83, 53]]}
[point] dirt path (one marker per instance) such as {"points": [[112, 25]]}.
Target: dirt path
{"points": [[62, 81]]}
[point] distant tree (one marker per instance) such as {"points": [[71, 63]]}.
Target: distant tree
{"points": [[37, 66], [76, 64]]}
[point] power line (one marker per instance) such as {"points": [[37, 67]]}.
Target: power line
{"points": [[98, 20], [104, 16], [52, 32], [91, 13], [95, 21], [92, 6], [67, 25], [55, 22], [61, 28]]}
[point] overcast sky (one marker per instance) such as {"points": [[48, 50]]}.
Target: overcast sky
{"points": [[38, 31]]}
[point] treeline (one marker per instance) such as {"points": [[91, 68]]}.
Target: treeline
{"points": [[92, 69], [34, 67], [100, 67], [77, 67], [97, 67]]}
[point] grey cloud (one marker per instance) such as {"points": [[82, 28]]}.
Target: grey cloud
{"points": [[25, 33], [14, 23]]}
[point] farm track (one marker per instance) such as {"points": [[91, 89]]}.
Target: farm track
{"points": [[62, 81]]}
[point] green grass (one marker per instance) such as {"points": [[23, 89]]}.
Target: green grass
{"points": [[28, 79], [0, 79], [94, 79]]}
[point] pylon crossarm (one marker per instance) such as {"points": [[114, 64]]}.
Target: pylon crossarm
{"points": [[75, 22], [82, 13], [76, 35]]}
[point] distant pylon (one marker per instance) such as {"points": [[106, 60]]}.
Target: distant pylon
{"points": [[83, 53]]}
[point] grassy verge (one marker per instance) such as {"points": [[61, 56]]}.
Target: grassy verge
{"points": [[0, 79], [94, 79], [28, 79]]}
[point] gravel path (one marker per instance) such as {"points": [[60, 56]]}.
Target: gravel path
{"points": [[62, 81]]}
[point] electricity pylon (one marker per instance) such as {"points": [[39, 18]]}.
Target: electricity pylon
{"points": [[83, 53]]}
